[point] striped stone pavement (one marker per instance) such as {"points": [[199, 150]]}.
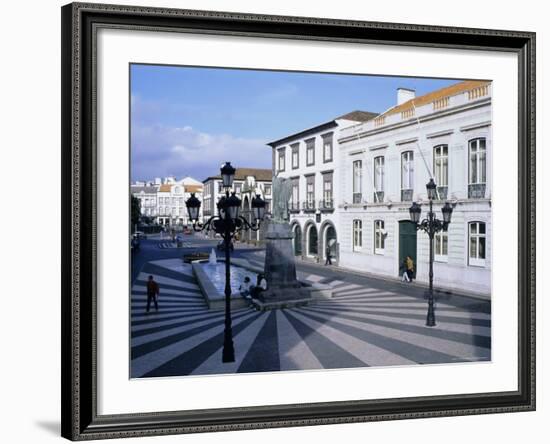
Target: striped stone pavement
{"points": [[358, 327]]}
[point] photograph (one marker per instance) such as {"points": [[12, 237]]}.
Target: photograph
{"points": [[299, 221]]}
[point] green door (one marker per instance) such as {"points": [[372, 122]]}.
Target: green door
{"points": [[407, 243]]}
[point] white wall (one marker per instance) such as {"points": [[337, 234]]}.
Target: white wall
{"points": [[29, 325]]}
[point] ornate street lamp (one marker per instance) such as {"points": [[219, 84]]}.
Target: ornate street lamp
{"points": [[227, 223], [431, 225]]}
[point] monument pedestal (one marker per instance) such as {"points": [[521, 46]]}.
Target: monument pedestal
{"points": [[283, 289]]}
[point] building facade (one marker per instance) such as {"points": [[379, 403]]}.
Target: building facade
{"points": [[385, 165], [311, 161], [164, 200]]}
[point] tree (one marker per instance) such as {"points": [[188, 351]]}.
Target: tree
{"points": [[135, 210]]}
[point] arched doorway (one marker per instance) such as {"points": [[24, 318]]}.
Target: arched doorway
{"points": [[297, 240], [312, 249], [330, 242]]}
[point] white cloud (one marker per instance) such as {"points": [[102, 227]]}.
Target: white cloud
{"points": [[159, 150]]}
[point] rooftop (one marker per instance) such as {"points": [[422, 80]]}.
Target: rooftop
{"points": [[356, 116], [451, 90], [263, 174]]}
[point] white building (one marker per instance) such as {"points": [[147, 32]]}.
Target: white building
{"points": [[165, 199], [247, 183], [310, 159], [147, 195], [385, 164]]}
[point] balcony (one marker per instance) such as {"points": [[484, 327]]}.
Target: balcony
{"points": [[378, 196], [406, 195], [442, 193], [326, 205], [308, 206], [476, 191], [294, 207]]}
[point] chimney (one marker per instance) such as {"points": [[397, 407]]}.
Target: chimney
{"points": [[404, 95]]}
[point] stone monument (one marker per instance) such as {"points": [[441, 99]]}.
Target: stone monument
{"points": [[283, 289]]}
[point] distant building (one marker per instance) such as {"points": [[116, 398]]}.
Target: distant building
{"points": [[147, 196], [310, 159], [164, 199]]}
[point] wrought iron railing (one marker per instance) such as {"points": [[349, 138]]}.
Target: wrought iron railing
{"points": [[308, 205], [476, 191], [326, 204], [442, 193], [378, 196], [406, 195], [294, 207], [357, 197]]}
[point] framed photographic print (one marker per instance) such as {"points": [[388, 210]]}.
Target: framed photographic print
{"points": [[279, 221]]}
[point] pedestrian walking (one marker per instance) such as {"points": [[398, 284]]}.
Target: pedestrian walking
{"points": [[405, 275], [328, 260], [153, 292], [409, 268]]}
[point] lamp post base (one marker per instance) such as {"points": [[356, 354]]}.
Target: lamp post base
{"points": [[228, 352], [430, 319]]}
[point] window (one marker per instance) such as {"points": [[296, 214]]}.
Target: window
{"points": [[281, 161], [295, 156], [327, 190], [379, 179], [407, 175], [295, 198], [327, 148], [357, 235], [379, 237], [180, 201], [310, 193], [310, 152], [477, 237], [441, 246], [477, 169], [267, 190], [441, 165], [357, 181], [220, 187], [238, 188]]}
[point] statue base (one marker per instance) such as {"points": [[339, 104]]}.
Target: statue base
{"points": [[283, 289]]}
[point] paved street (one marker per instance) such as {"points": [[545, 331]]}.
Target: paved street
{"points": [[368, 322]]}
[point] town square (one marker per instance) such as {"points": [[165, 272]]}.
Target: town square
{"points": [[362, 239]]}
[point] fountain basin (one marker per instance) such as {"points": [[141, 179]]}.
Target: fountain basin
{"points": [[211, 280]]}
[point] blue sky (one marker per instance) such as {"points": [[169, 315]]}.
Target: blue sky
{"points": [[186, 121]]}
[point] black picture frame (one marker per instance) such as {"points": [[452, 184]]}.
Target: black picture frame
{"points": [[79, 208]]}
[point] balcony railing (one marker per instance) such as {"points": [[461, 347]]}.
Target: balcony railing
{"points": [[476, 191], [478, 92], [357, 198], [308, 205], [378, 196], [407, 113], [442, 193], [406, 195], [294, 207], [326, 204], [441, 103]]}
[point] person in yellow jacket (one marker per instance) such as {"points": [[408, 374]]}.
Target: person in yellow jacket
{"points": [[409, 264]]}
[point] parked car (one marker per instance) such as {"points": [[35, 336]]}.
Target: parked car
{"points": [[221, 246], [140, 235], [187, 230]]}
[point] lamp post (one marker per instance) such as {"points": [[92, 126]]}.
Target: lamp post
{"points": [[431, 225], [227, 223]]}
